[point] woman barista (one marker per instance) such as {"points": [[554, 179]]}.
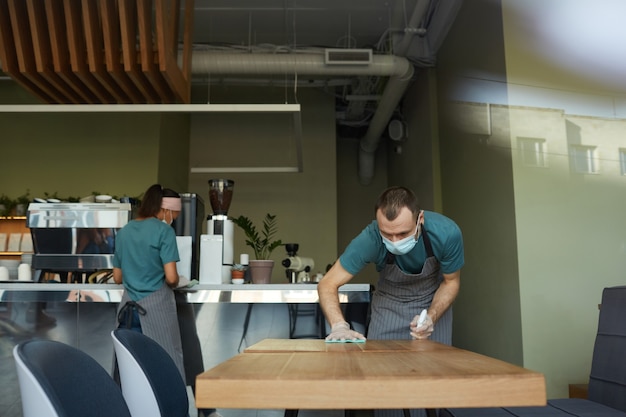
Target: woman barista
{"points": [[145, 263]]}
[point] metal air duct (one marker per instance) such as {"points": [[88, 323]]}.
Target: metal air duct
{"points": [[398, 69]]}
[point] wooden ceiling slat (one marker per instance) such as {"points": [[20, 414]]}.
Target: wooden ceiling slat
{"points": [[167, 51], [146, 49], [93, 40], [60, 52], [173, 11], [128, 29], [77, 50], [24, 49], [112, 55], [188, 43], [8, 55], [43, 52], [98, 51]]}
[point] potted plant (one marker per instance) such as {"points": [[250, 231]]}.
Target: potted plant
{"points": [[6, 204], [237, 271], [22, 203], [263, 243]]}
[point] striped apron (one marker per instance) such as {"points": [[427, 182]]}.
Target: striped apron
{"points": [[398, 298], [160, 322]]}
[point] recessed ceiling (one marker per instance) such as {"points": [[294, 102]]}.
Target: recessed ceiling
{"points": [[298, 23]]}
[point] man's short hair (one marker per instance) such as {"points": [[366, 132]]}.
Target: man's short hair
{"points": [[393, 199]]}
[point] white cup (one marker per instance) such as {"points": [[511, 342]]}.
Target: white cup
{"points": [[24, 273], [103, 198], [4, 273]]}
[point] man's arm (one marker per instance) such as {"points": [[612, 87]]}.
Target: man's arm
{"points": [[445, 295], [328, 291], [442, 300]]}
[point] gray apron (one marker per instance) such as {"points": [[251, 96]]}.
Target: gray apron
{"points": [[160, 322], [398, 298]]}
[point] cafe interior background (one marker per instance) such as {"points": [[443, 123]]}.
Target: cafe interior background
{"points": [[513, 125]]}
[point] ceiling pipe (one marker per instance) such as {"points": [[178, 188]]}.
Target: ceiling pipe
{"points": [[398, 69], [210, 63], [394, 91]]}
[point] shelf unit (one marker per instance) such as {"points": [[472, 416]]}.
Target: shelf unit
{"points": [[12, 224]]}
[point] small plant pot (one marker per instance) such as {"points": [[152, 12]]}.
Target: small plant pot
{"points": [[237, 274]]}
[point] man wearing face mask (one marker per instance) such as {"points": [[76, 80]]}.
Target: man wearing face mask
{"points": [[419, 255]]}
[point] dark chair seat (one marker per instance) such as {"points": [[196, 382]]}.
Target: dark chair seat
{"points": [[567, 407], [607, 381], [151, 382], [59, 380]]}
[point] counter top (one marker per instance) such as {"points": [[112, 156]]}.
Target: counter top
{"points": [[201, 293]]}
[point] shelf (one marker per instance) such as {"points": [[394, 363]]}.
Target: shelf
{"points": [[12, 217], [11, 253]]}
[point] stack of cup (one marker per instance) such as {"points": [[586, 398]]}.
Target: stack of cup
{"points": [[4, 273], [24, 273], [244, 259]]}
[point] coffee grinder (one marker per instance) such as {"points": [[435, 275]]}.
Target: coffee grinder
{"points": [[298, 267], [217, 247]]}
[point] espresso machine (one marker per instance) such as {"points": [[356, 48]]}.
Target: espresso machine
{"points": [[297, 267], [217, 246], [75, 239]]}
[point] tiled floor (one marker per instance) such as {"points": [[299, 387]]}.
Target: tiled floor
{"points": [[88, 325]]}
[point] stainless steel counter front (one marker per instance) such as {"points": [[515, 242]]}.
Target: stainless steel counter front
{"points": [[216, 321], [202, 293]]}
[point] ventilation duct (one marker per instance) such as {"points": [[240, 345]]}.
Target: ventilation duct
{"points": [[348, 56], [399, 70]]}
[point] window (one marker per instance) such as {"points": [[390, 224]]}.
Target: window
{"points": [[533, 152], [584, 159]]}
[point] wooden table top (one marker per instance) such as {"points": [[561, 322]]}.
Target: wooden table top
{"points": [[312, 374]]}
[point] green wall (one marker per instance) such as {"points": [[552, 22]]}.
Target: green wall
{"points": [[541, 240], [306, 202], [77, 154]]}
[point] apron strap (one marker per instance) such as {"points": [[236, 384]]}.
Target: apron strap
{"points": [[126, 313], [427, 245]]}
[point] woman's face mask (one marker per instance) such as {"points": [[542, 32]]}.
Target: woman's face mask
{"points": [[402, 246], [165, 218]]}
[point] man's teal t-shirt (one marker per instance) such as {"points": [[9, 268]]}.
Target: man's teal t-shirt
{"points": [[444, 234], [142, 247]]}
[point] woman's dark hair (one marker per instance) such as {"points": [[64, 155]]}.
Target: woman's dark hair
{"points": [[152, 199], [393, 199]]}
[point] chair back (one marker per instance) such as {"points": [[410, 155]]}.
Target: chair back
{"points": [[151, 382], [58, 380], [607, 380]]}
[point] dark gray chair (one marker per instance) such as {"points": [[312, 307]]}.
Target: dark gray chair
{"points": [[607, 381], [151, 382], [58, 380]]}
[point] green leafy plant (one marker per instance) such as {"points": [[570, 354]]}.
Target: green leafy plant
{"points": [[24, 198], [6, 205], [262, 242], [238, 267]]}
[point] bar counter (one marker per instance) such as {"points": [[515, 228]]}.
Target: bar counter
{"points": [[200, 293]]}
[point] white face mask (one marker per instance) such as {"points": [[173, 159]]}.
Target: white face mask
{"points": [[402, 246]]}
